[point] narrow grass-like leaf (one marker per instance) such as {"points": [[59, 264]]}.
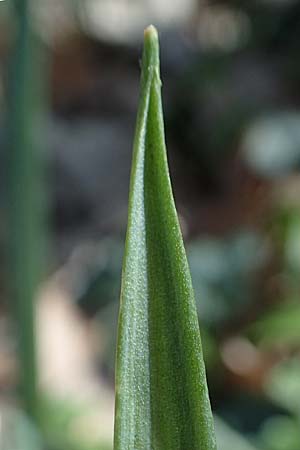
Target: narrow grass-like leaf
{"points": [[162, 398], [25, 196]]}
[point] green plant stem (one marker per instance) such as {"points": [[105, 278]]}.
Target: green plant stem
{"points": [[25, 198]]}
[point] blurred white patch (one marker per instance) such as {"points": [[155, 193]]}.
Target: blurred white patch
{"points": [[67, 363], [114, 20], [240, 355], [271, 145], [123, 20], [222, 27], [54, 19]]}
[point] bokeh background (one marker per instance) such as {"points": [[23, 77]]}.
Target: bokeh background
{"points": [[231, 90]]}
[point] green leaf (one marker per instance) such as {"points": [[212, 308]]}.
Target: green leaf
{"points": [[162, 398], [26, 225]]}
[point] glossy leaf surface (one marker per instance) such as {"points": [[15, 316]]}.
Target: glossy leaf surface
{"points": [[162, 398]]}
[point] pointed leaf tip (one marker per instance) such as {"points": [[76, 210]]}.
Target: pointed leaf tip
{"points": [[151, 49], [162, 400], [151, 31]]}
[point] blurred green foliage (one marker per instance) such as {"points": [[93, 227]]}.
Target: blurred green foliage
{"points": [[232, 114], [59, 417]]}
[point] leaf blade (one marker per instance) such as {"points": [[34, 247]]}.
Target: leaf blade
{"points": [[161, 392]]}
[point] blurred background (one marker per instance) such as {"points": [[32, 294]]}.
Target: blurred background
{"points": [[69, 83]]}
